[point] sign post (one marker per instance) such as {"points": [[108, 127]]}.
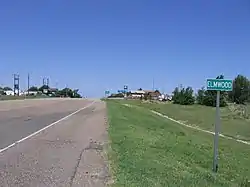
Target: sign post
{"points": [[107, 93], [216, 133], [125, 90], [218, 85]]}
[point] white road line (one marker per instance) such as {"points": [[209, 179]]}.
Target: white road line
{"points": [[192, 127], [50, 125]]}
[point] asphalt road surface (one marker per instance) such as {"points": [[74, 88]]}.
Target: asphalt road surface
{"points": [[53, 142]]}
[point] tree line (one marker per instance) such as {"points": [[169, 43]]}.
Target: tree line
{"points": [[239, 95], [3, 89], [46, 90], [65, 92]]}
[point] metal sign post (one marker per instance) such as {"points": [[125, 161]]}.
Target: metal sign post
{"points": [[218, 85], [125, 90], [107, 93], [216, 133]]}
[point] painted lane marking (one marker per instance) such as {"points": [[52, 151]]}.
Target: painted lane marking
{"points": [[48, 126]]}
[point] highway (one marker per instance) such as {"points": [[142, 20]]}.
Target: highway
{"points": [[53, 142]]}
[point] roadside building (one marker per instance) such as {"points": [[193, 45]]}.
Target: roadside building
{"points": [[30, 92], [53, 91], [165, 97], [9, 92], [151, 94], [137, 94]]}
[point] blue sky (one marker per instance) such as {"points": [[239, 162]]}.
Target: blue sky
{"points": [[99, 45]]}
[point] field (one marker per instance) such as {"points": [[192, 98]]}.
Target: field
{"points": [[232, 123], [148, 150]]}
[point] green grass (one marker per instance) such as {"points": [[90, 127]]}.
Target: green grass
{"points": [[148, 151], [232, 124]]}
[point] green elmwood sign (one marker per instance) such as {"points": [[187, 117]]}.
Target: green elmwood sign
{"points": [[219, 84]]}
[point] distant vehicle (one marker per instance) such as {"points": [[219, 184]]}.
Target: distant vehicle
{"points": [[165, 97], [9, 92]]}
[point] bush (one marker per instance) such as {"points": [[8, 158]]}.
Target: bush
{"points": [[183, 96], [200, 96], [116, 95], [241, 90], [208, 98]]}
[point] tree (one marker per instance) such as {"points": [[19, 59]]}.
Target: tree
{"points": [[175, 97], [43, 87], [200, 96], [210, 98], [6, 88], [67, 92], [183, 96], [76, 94], [189, 96], [33, 89], [1, 91], [241, 90]]}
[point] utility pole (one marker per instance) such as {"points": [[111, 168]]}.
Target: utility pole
{"points": [[153, 84], [66, 90], [46, 84], [45, 81], [28, 84], [16, 84], [56, 84]]}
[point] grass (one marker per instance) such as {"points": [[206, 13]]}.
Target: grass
{"points": [[148, 151], [232, 124]]}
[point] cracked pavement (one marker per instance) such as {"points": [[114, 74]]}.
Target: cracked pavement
{"points": [[69, 153]]}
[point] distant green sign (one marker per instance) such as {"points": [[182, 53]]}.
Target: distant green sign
{"points": [[219, 84]]}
